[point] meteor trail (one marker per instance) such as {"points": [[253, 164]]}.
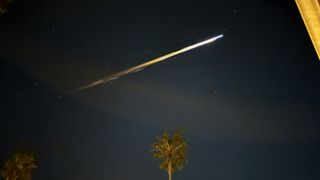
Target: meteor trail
{"points": [[148, 63]]}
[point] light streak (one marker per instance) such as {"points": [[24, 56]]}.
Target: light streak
{"points": [[148, 63]]}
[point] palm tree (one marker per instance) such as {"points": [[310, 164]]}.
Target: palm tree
{"points": [[172, 152], [19, 167]]}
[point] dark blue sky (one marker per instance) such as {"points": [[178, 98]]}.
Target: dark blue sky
{"points": [[247, 105]]}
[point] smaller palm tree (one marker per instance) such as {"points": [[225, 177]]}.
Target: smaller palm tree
{"points": [[20, 167], [172, 152]]}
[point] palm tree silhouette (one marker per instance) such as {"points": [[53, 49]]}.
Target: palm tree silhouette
{"points": [[19, 167], [172, 152]]}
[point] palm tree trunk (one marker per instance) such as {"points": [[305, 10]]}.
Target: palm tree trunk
{"points": [[170, 172]]}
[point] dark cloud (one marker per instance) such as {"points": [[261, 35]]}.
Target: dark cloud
{"points": [[214, 117]]}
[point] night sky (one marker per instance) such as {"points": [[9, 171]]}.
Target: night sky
{"points": [[247, 105]]}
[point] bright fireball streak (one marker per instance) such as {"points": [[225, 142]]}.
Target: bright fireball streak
{"points": [[148, 63]]}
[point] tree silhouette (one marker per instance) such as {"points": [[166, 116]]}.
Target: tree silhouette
{"points": [[19, 167], [171, 151], [3, 5]]}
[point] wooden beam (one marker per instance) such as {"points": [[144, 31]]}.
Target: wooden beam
{"points": [[310, 12]]}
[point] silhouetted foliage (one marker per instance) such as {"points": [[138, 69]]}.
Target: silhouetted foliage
{"points": [[19, 167], [3, 5], [171, 151]]}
